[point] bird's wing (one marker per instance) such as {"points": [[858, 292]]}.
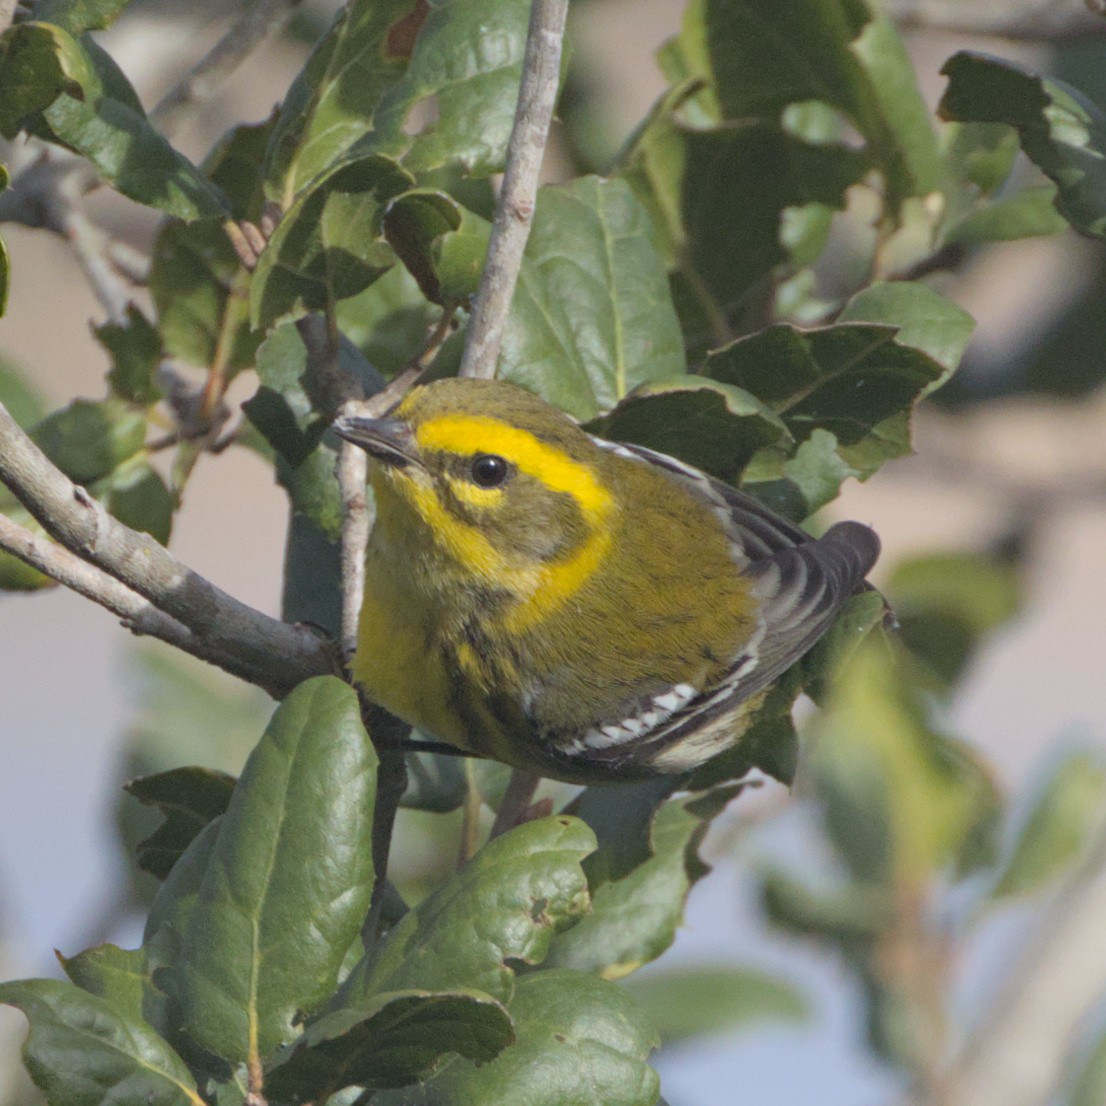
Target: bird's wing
{"points": [[802, 583]]}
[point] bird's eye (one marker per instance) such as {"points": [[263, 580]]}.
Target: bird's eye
{"points": [[488, 470]]}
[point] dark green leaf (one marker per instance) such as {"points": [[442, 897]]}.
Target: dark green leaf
{"points": [[136, 495], [116, 975], [327, 246], [634, 918], [389, 1041], [333, 102], [389, 321], [1064, 813], [1060, 129], [467, 62], [579, 1040], [89, 440], [854, 381], [54, 84], [82, 1052], [442, 244], [295, 404], [505, 905], [312, 588], [762, 58], [715, 427], [135, 348], [189, 798], [591, 318], [434, 782], [717, 199], [688, 1002], [288, 885]]}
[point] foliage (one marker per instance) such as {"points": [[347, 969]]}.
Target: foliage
{"points": [[660, 305]]}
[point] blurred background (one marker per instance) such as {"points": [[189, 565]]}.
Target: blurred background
{"points": [[1011, 460]]}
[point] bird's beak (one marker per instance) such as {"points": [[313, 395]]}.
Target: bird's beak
{"points": [[389, 441]]}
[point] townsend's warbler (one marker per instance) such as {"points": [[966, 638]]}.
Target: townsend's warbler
{"points": [[584, 610]]}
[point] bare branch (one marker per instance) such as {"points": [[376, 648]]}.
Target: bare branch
{"points": [[1018, 1055], [7, 11], [261, 20], [1032, 20], [266, 652], [515, 211], [66, 568]]}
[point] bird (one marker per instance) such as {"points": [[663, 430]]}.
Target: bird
{"points": [[581, 609]]}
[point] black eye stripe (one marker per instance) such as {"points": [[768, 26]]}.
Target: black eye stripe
{"points": [[488, 470]]}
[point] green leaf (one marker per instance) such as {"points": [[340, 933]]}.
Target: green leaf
{"points": [[900, 802], [467, 61], [294, 406], [389, 321], [579, 1040], [690, 1002], [389, 1041], [189, 799], [23, 402], [946, 603], [717, 199], [89, 440], [333, 102], [55, 85], [823, 665], [289, 882], [855, 381], [505, 905], [136, 495], [591, 318], [82, 1052], [1061, 130], [715, 427], [327, 246], [634, 918], [116, 975], [135, 348], [78, 16], [197, 281], [764, 57], [442, 244], [1029, 213], [1062, 816]]}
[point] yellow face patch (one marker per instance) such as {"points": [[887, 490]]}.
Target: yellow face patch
{"points": [[465, 434], [539, 588]]}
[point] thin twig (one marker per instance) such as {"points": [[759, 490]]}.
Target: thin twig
{"points": [[243, 641], [261, 21], [515, 210], [1029, 20], [1018, 1055], [353, 467]]}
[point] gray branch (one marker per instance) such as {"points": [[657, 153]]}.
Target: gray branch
{"points": [[1033, 20], [514, 212], [243, 641], [261, 20], [66, 568]]}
